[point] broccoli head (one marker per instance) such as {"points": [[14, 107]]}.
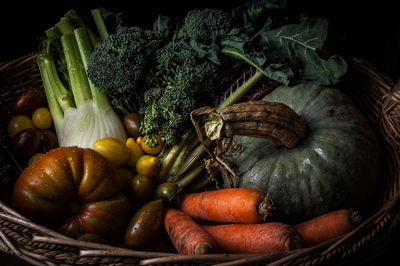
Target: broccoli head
{"points": [[119, 64], [182, 78], [179, 65], [206, 25], [203, 29]]}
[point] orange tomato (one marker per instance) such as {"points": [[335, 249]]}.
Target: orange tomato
{"points": [[152, 144]]}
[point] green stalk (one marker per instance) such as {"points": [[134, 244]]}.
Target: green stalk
{"points": [[101, 27], [237, 94], [49, 82], [63, 96], [190, 176], [77, 20], [198, 185], [53, 33], [65, 26], [83, 45], [177, 153], [76, 70], [177, 162], [169, 159], [85, 50], [192, 158], [54, 51]]}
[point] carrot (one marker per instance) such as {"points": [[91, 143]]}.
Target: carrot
{"points": [[186, 235], [229, 205], [328, 226], [267, 238]]}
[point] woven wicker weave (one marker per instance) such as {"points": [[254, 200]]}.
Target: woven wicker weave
{"points": [[376, 96]]}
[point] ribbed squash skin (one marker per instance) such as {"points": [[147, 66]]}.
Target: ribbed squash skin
{"points": [[335, 166]]}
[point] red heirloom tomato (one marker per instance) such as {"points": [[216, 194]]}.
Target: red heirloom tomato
{"points": [[74, 190]]}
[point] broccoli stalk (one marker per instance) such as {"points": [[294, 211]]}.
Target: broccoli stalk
{"points": [[81, 114]]}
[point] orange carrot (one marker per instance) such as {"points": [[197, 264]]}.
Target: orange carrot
{"points": [[229, 205], [267, 238], [328, 226], [186, 235]]}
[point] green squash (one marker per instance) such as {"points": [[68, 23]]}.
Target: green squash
{"points": [[335, 166]]}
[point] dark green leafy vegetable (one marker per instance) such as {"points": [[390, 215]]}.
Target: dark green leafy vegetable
{"points": [[165, 26], [112, 20], [310, 60], [285, 52], [251, 12]]}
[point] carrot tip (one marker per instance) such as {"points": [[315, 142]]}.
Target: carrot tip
{"points": [[265, 207], [294, 241], [355, 218], [204, 248]]}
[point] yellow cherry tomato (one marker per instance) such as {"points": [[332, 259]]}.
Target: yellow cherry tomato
{"points": [[19, 123], [152, 144], [135, 152], [113, 149], [42, 118], [148, 165]]}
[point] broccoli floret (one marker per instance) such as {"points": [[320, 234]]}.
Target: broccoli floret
{"points": [[203, 29], [182, 78], [119, 64], [178, 65], [206, 25]]}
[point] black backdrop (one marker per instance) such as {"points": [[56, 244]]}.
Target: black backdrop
{"points": [[363, 28]]}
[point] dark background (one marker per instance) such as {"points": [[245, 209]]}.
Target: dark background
{"points": [[369, 29]]}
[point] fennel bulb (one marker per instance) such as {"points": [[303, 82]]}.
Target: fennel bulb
{"points": [[83, 114]]}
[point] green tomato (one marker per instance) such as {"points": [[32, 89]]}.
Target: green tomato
{"points": [[166, 191], [19, 123]]}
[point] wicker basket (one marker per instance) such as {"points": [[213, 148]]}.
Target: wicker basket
{"points": [[375, 95]]}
